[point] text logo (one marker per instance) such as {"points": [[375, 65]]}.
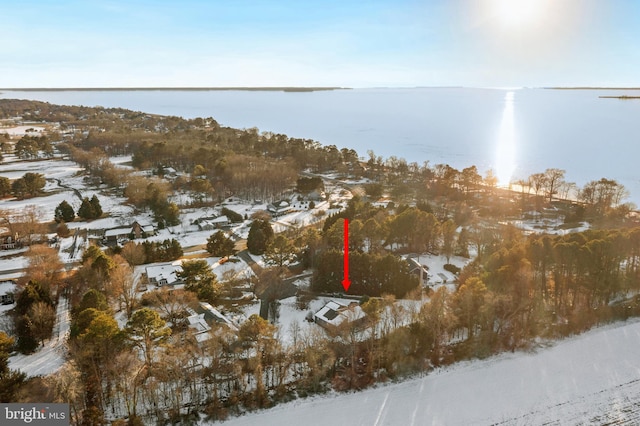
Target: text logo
{"points": [[37, 414]]}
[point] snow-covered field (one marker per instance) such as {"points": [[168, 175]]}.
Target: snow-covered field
{"points": [[592, 379]]}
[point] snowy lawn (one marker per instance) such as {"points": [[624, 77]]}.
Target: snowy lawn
{"points": [[589, 379], [51, 357], [437, 274]]}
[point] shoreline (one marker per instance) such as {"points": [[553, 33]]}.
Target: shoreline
{"points": [[181, 89]]}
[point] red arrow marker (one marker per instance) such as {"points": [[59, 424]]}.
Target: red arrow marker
{"points": [[345, 282]]}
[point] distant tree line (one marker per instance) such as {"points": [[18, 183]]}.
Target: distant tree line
{"points": [[27, 186]]}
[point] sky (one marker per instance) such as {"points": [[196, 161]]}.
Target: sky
{"points": [[345, 43]]}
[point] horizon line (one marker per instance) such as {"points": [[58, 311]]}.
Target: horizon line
{"points": [[301, 88]]}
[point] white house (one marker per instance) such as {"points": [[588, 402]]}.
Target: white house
{"points": [[280, 207], [165, 274], [210, 223], [333, 314]]}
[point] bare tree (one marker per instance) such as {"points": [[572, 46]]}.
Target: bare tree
{"points": [[68, 387], [44, 267], [554, 178], [28, 224], [123, 286], [133, 253], [173, 304], [42, 317]]}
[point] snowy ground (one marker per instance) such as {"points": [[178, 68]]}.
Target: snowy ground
{"points": [[438, 276], [592, 379], [546, 225], [290, 314], [22, 130], [50, 358]]}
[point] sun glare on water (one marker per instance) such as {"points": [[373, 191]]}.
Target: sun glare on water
{"points": [[506, 147]]}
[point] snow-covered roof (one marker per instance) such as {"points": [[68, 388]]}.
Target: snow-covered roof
{"points": [[198, 323], [117, 231], [7, 286], [279, 205], [213, 222], [215, 315], [159, 272], [335, 313]]}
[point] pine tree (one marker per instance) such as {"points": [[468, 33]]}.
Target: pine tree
{"points": [[64, 212], [220, 245], [97, 208], [259, 237], [86, 210]]}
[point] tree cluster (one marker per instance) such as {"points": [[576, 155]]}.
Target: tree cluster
{"points": [[161, 251], [29, 185], [370, 274], [90, 208], [31, 147], [305, 185]]}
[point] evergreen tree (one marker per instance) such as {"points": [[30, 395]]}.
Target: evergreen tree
{"points": [[10, 380], [64, 212], [199, 279], [86, 210], [5, 186], [260, 234], [279, 251], [97, 208], [146, 330], [25, 331], [220, 245]]}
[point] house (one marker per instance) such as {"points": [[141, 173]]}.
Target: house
{"points": [[112, 236], [141, 229], [278, 208], [200, 322], [170, 172], [8, 240], [334, 314], [211, 223], [165, 274], [199, 327], [212, 315], [416, 268], [138, 229], [7, 291]]}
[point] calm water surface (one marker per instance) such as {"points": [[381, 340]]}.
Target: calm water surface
{"points": [[514, 132]]}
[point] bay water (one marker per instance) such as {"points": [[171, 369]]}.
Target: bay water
{"points": [[514, 132]]}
